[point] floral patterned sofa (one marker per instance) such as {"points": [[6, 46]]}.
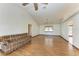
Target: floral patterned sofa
{"points": [[12, 42]]}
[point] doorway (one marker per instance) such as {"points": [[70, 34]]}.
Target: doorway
{"points": [[70, 36], [29, 29]]}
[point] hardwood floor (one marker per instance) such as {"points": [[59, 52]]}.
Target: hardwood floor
{"points": [[46, 46]]}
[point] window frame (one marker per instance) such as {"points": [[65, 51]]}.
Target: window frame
{"points": [[48, 29]]}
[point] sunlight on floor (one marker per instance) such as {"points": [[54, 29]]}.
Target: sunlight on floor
{"points": [[71, 49], [48, 41], [71, 40]]}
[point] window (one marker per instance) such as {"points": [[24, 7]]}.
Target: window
{"points": [[48, 28]]}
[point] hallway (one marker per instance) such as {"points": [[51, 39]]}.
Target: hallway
{"points": [[43, 45]]}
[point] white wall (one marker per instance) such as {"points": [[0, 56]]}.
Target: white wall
{"points": [[14, 20], [75, 30], [65, 28], [56, 28]]}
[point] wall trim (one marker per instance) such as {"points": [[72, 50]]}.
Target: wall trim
{"points": [[35, 35], [48, 34], [70, 43], [43, 35]]}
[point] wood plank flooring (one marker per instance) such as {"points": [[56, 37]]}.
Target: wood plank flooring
{"points": [[46, 46]]}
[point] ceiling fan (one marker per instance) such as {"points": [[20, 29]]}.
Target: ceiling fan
{"points": [[35, 5]]}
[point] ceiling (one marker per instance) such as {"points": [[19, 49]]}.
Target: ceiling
{"points": [[54, 12]]}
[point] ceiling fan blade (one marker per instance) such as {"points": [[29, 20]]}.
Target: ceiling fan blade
{"points": [[45, 3], [36, 6], [24, 4]]}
